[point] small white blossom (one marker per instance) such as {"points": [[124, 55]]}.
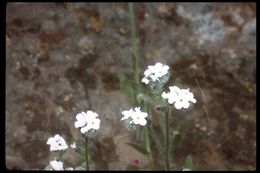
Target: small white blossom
{"points": [[56, 165], [57, 143], [127, 114], [73, 145], [145, 80], [155, 72], [160, 69], [186, 169], [180, 97], [87, 121], [136, 116]]}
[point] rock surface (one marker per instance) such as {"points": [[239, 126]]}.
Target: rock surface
{"points": [[56, 52]]}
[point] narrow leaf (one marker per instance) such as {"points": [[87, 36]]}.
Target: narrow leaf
{"points": [[188, 163], [178, 135], [162, 126], [157, 141]]}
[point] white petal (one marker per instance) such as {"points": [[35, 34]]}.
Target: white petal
{"points": [[154, 78], [178, 105], [56, 165], [171, 100], [145, 80], [158, 65], [96, 124], [79, 124], [137, 109], [135, 121], [147, 73], [193, 100], [185, 104], [84, 129], [166, 67], [174, 88], [142, 122], [165, 95], [144, 114], [80, 116], [50, 140]]}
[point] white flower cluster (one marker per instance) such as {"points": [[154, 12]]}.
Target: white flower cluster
{"points": [[136, 116], [155, 72], [87, 121], [180, 97], [57, 143], [56, 165]]}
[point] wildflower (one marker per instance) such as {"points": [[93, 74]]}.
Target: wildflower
{"points": [[186, 169], [136, 116], [56, 165], [180, 97], [155, 72], [87, 121], [73, 145], [57, 143]]}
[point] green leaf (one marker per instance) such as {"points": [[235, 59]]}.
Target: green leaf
{"points": [[162, 126], [188, 163], [139, 148], [157, 142], [178, 135]]}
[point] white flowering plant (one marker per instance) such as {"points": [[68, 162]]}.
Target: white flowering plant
{"points": [[148, 94], [89, 123], [144, 93]]}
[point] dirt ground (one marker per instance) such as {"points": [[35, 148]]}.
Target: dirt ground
{"points": [[56, 52]]}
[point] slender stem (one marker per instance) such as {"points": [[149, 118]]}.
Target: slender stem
{"points": [[148, 148], [133, 40], [134, 58], [86, 153], [167, 164], [60, 155]]}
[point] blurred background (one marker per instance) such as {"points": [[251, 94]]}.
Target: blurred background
{"points": [[56, 52]]}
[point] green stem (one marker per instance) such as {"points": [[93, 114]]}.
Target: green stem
{"points": [[148, 148], [133, 41], [86, 153], [60, 156], [167, 163], [134, 59]]}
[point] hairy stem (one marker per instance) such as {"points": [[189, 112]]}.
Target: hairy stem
{"points": [[134, 58], [148, 148], [167, 163], [86, 153]]}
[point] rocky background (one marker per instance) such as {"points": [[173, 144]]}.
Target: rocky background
{"points": [[55, 52]]}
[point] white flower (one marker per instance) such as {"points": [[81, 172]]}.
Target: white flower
{"points": [[56, 165], [180, 97], [139, 118], [87, 121], [155, 72], [127, 114], [136, 116], [160, 69], [145, 80], [73, 145], [186, 169], [57, 143], [70, 169]]}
